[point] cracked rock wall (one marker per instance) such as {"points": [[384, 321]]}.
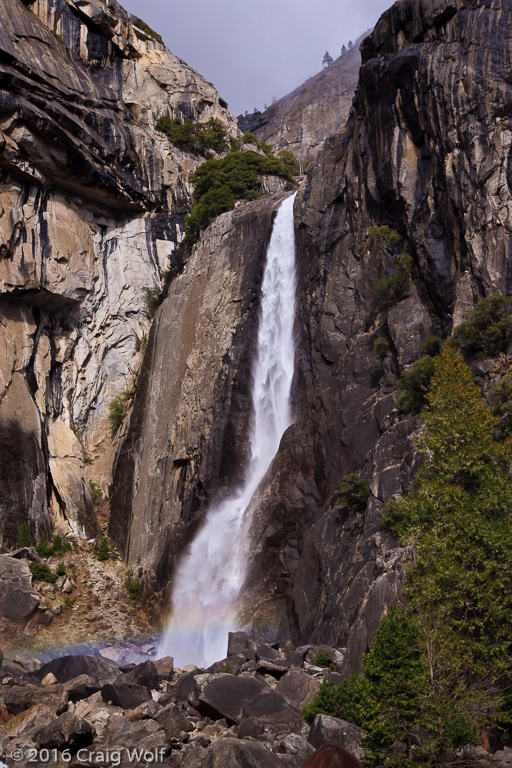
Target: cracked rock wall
{"points": [[91, 212]]}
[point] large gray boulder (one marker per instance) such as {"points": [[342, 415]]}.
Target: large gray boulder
{"points": [[271, 710], [298, 688], [69, 667], [18, 599], [67, 731], [333, 730], [18, 698], [232, 753], [227, 696]]}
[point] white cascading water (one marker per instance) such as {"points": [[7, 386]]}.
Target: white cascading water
{"points": [[211, 574]]}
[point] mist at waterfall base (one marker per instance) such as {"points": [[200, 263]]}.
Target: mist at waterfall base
{"points": [[211, 573]]}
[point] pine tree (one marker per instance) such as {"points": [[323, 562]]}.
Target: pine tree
{"points": [[103, 549], [24, 539], [327, 60], [440, 669]]}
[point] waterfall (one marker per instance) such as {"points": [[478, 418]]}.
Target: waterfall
{"points": [[211, 573]]}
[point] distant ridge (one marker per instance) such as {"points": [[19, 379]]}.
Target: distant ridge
{"points": [[304, 118]]}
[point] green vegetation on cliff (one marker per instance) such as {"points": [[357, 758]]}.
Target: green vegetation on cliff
{"points": [[440, 668], [354, 491], [199, 138], [386, 243], [118, 407], [488, 328], [147, 29], [24, 538], [220, 183]]}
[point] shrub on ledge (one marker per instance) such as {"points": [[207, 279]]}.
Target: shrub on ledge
{"points": [[220, 183], [147, 29], [487, 329]]}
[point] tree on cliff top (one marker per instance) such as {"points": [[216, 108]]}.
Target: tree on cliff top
{"points": [[327, 59]]}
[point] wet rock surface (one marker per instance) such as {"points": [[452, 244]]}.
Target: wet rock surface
{"points": [[217, 719], [188, 432]]}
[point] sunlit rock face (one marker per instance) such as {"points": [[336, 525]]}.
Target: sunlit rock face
{"points": [[91, 211]]}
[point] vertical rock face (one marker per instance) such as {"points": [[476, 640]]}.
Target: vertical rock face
{"points": [[426, 151], [91, 211], [188, 431]]}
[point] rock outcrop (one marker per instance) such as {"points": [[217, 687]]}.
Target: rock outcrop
{"points": [[427, 152], [302, 120], [92, 202], [190, 421]]}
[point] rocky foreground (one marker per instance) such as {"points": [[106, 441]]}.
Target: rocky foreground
{"points": [[243, 712]]}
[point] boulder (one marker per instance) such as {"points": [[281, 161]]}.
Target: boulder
{"points": [[233, 753], [21, 697], [145, 674], [232, 664], [30, 720], [67, 731], [271, 710], [250, 728], [267, 653], [120, 732], [18, 600], [68, 667], [174, 722], [184, 689], [49, 679], [332, 730], [227, 696], [268, 668], [31, 665], [241, 642], [164, 667], [81, 687], [296, 745], [26, 553], [125, 695], [96, 713], [298, 688], [148, 710]]}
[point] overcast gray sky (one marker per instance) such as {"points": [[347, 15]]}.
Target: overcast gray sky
{"points": [[252, 50]]}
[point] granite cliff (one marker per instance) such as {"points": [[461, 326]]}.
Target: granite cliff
{"points": [[425, 151], [92, 202]]}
